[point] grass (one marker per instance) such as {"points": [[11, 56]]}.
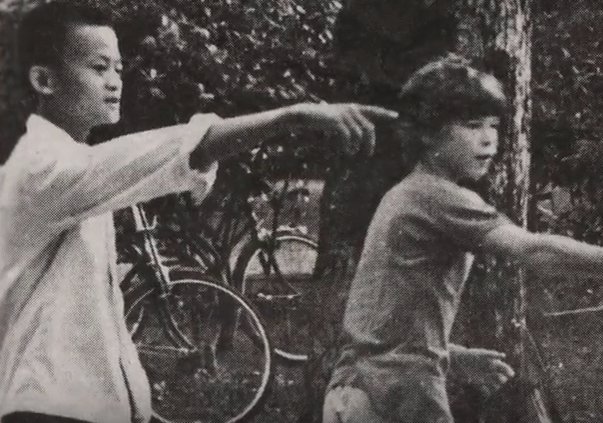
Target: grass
{"points": [[572, 348]]}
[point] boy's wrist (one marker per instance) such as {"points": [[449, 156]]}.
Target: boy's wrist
{"points": [[457, 355], [294, 116], [456, 349]]}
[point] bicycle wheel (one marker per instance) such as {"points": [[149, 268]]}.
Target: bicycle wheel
{"points": [[204, 348], [280, 283]]}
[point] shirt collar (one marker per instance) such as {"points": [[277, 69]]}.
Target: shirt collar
{"points": [[36, 124]]}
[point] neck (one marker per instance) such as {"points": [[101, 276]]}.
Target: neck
{"points": [[78, 130], [430, 166]]}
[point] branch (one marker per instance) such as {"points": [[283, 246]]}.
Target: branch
{"points": [[576, 311]]}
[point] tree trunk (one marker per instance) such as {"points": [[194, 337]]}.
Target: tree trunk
{"points": [[499, 33]]}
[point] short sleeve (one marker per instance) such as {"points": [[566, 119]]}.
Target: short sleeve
{"points": [[464, 217]]}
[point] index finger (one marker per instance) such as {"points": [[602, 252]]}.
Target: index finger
{"points": [[377, 112], [489, 353], [502, 367]]}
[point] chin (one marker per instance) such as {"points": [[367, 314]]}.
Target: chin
{"points": [[111, 119], [475, 177]]}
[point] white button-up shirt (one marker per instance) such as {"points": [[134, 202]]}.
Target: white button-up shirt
{"points": [[64, 346]]}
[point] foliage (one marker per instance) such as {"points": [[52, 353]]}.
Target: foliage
{"points": [[568, 123], [224, 57]]}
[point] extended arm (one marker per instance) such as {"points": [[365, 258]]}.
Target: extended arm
{"points": [[546, 254], [83, 181], [352, 123]]}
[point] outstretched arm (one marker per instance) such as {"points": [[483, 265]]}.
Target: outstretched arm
{"points": [[546, 254], [353, 123]]}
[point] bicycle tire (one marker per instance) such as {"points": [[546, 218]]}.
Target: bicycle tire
{"points": [[286, 316], [205, 380]]}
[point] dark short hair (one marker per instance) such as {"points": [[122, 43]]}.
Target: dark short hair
{"points": [[42, 31], [450, 89]]}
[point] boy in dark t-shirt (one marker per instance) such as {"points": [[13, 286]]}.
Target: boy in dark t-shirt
{"points": [[418, 253]]}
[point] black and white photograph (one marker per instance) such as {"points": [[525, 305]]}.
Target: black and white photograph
{"points": [[301, 211]]}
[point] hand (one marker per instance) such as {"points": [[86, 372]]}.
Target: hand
{"points": [[353, 123], [481, 367]]}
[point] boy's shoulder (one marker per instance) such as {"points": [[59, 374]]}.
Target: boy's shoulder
{"points": [[41, 150], [432, 208], [434, 191]]}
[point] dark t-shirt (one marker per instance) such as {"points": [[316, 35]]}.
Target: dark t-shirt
{"points": [[405, 295]]}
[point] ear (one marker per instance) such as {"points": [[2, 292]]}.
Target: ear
{"points": [[42, 79]]}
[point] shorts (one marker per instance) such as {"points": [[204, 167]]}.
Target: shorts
{"points": [[346, 404]]}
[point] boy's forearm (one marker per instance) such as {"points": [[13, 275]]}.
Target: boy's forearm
{"points": [[456, 349], [235, 135], [564, 256], [456, 352], [353, 125]]}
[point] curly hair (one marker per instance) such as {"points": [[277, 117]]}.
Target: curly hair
{"points": [[449, 89]]}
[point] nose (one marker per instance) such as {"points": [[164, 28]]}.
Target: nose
{"points": [[113, 81], [490, 138]]}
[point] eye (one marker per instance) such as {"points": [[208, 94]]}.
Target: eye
{"points": [[119, 69], [100, 67], [494, 123], [474, 124]]}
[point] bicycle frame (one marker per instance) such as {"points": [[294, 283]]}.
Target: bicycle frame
{"points": [[214, 245], [158, 272], [198, 321]]}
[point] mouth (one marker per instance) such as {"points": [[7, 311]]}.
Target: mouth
{"points": [[484, 160], [113, 101]]}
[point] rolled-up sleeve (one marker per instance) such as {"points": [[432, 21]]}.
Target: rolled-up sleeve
{"points": [[70, 182]]}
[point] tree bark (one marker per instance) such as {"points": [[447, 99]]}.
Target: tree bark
{"points": [[499, 34]]}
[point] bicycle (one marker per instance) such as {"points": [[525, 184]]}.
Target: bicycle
{"points": [[204, 347], [273, 268]]}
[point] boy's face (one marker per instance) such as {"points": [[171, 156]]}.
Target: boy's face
{"points": [[465, 149], [88, 78]]}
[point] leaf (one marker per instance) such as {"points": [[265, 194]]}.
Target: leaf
{"points": [[566, 53], [156, 92]]}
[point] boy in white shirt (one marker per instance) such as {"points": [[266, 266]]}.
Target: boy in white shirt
{"points": [[65, 353]]}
